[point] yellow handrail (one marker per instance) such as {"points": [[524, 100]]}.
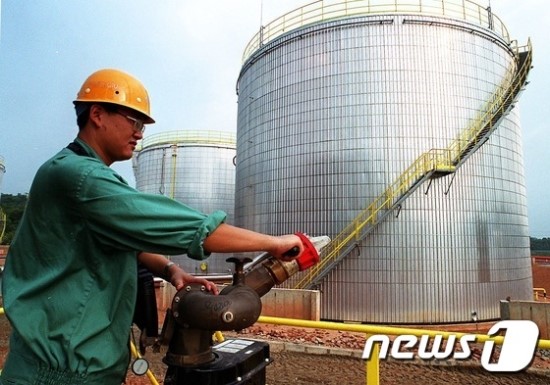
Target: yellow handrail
{"points": [[536, 291], [426, 165], [497, 105], [191, 137], [319, 11], [432, 161]]}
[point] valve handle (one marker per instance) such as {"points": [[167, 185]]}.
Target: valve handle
{"points": [[292, 252], [238, 276], [310, 255]]}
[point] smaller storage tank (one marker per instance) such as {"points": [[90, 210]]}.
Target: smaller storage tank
{"points": [[2, 171], [2, 214], [196, 168]]}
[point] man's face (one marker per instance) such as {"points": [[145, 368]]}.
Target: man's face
{"points": [[120, 132]]}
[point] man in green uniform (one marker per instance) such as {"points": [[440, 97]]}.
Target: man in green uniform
{"points": [[69, 284]]}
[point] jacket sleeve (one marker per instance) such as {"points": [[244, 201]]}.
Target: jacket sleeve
{"points": [[124, 218]]}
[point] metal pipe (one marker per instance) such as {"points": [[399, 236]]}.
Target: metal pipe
{"points": [[219, 279], [237, 307], [388, 330], [196, 313]]}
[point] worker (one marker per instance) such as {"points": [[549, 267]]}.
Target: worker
{"points": [[69, 284]]}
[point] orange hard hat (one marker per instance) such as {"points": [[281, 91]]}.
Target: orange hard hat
{"points": [[115, 87]]}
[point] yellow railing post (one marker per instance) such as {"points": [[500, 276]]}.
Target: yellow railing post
{"points": [[372, 366]]}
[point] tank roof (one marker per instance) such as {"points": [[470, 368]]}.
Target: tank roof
{"points": [[193, 137], [322, 11]]}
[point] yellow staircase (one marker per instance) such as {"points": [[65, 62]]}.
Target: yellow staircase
{"points": [[434, 163]]}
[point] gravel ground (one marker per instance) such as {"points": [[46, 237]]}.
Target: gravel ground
{"points": [[290, 368]]}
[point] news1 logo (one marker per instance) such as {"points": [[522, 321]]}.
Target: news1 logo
{"points": [[516, 353]]}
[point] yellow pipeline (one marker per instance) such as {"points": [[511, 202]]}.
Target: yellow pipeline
{"points": [[218, 337], [372, 365], [136, 354], [389, 330], [174, 169], [536, 292]]}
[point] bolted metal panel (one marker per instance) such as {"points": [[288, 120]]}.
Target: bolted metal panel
{"points": [[331, 113], [196, 168]]}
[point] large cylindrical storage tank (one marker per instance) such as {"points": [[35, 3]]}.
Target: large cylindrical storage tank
{"points": [[335, 102], [196, 168]]}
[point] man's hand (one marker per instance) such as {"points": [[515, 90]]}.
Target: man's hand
{"points": [[179, 278], [160, 266]]}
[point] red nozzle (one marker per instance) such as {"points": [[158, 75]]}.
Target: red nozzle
{"points": [[309, 256]]}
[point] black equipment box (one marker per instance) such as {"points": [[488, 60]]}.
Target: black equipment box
{"points": [[237, 362]]}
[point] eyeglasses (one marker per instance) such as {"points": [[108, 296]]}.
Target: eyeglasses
{"points": [[139, 125]]}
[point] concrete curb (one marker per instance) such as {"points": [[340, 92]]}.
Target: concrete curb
{"points": [[281, 346]]}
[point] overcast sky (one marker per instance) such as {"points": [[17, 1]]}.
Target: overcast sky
{"points": [[188, 54]]}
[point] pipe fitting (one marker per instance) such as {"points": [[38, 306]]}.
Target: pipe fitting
{"points": [[228, 317], [235, 308]]}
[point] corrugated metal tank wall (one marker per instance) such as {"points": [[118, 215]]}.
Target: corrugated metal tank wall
{"points": [[331, 113], [196, 168]]}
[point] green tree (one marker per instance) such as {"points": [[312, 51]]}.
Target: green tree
{"points": [[540, 246], [13, 206]]}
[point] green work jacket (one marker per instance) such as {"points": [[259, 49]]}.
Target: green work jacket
{"points": [[69, 284]]}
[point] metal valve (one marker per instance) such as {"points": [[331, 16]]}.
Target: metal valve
{"points": [[196, 313]]}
